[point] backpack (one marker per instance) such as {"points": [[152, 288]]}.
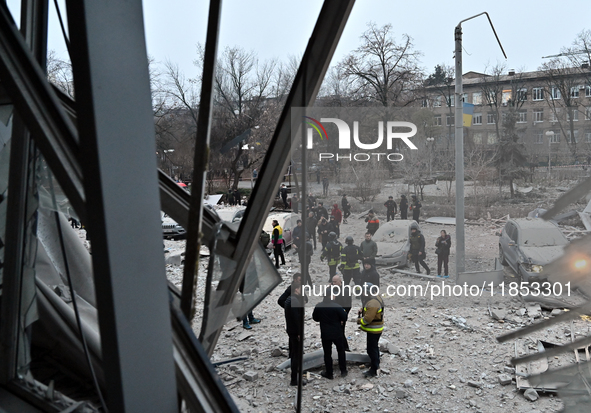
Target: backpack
{"points": [[351, 256], [265, 238]]}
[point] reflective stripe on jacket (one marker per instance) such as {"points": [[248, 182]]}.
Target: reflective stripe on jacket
{"points": [[372, 320]]}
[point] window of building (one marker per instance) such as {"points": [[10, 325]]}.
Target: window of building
{"points": [[556, 137], [424, 103], [537, 93], [555, 93], [575, 113], [490, 118], [465, 98], [437, 102], [522, 95], [451, 100], [477, 98], [491, 98], [588, 113], [574, 92], [588, 91], [522, 117], [506, 96], [554, 115], [492, 138], [477, 119], [449, 120], [575, 138], [539, 137], [437, 120], [538, 116], [477, 138], [588, 137]]}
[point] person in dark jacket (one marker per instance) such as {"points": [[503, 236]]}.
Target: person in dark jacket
{"points": [[368, 247], [370, 274], [293, 308], [331, 317], [346, 208], [311, 201], [443, 245], [391, 208], [373, 223], [236, 197], [323, 231], [297, 277], [306, 260], [332, 252], [297, 235], [417, 250], [283, 193], [345, 300], [311, 224], [403, 207], [415, 207], [249, 318], [333, 225], [350, 258], [295, 206], [321, 211], [371, 320]]}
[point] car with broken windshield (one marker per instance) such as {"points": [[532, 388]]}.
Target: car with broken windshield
{"points": [[527, 245]]}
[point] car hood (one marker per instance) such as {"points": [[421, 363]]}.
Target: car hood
{"points": [[386, 249], [543, 255]]}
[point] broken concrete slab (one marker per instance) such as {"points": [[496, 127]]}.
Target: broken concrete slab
{"points": [[495, 276], [392, 349], [498, 314], [244, 335], [504, 379], [531, 395], [443, 220], [276, 352], [534, 311], [251, 375], [475, 384]]}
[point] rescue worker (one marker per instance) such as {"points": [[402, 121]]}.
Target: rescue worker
{"points": [[293, 308], [415, 207], [332, 251], [391, 208], [344, 300], [368, 247], [417, 250], [373, 223], [331, 317], [371, 320], [443, 245], [346, 208], [403, 207], [350, 258], [277, 240]]}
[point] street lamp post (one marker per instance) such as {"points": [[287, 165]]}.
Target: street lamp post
{"points": [[550, 135]]}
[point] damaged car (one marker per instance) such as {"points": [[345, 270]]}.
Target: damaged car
{"points": [[528, 244], [393, 239]]}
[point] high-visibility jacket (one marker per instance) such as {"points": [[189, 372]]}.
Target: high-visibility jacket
{"points": [[354, 253], [372, 319], [277, 236], [332, 251]]}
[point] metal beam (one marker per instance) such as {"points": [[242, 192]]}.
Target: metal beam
{"points": [[34, 37], [200, 163], [315, 62], [35, 101], [117, 141]]}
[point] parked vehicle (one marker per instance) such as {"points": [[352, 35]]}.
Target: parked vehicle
{"points": [[528, 244], [286, 220], [171, 229], [393, 242]]}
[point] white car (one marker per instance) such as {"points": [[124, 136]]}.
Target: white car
{"points": [[393, 242]]}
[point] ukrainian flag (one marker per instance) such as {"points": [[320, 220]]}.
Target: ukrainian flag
{"points": [[468, 112]]}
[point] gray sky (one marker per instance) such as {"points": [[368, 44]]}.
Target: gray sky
{"points": [[277, 29]]}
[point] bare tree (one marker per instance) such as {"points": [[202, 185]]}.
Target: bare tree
{"points": [[382, 70], [59, 73]]}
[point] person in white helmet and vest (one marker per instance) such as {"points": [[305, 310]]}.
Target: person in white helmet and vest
{"points": [[371, 320]]}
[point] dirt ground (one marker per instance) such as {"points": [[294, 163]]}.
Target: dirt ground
{"points": [[443, 354]]}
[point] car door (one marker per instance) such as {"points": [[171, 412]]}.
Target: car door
{"points": [[287, 231]]}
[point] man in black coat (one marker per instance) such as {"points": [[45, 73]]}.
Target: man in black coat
{"points": [[311, 224], [331, 317], [283, 193], [415, 206], [344, 300], [294, 306], [321, 211], [403, 207], [391, 208], [346, 208]]}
